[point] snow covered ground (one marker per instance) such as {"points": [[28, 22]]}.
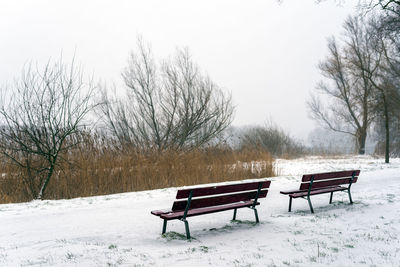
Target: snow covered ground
{"points": [[118, 230]]}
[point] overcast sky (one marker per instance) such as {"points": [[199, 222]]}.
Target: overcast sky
{"points": [[263, 52]]}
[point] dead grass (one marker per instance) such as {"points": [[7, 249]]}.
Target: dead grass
{"points": [[107, 171]]}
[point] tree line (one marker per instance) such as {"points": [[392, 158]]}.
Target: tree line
{"points": [[170, 108]]}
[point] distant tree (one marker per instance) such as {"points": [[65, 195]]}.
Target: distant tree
{"points": [[45, 111], [384, 78], [389, 11], [387, 85], [365, 81], [325, 142], [271, 138], [168, 105], [350, 90], [381, 136], [389, 6]]}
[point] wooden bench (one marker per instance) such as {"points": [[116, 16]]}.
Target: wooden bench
{"points": [[204, 200], [321, 183]]}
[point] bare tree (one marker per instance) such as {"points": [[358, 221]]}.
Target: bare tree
{"points": [[45, 110], [389, 11], [271, 138], [384, 77], [350, 90], [168, 105], [388, 87], [389, 6]]}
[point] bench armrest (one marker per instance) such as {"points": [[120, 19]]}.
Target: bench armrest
{"points": [[291, 192], [160, 212]]}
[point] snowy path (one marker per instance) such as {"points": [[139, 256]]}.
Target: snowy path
{"points": [[118, 230]]}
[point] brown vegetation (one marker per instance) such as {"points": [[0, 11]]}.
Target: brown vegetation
{"points": [[93, 171]]}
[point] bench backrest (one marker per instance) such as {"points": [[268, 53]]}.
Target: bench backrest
{"points": [[202, 197], [320, 180]]}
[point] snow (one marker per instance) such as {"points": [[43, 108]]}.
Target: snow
{"points": [[118, 230]]}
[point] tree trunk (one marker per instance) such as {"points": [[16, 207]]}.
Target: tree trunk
{"points": [[46, 182], [361, 141], [387, 130]]}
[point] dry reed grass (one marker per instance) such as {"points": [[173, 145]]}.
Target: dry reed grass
{"points": [[108, 171]]}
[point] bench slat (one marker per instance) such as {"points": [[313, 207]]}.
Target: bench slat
{"points": [[329, 175], [218, 200], [195, 212], [301, 191], [221, 189], [327, 183], [318, 191]]}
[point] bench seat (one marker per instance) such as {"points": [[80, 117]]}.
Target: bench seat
{"points": [[319, 191], [200, 211], [304, 193]]}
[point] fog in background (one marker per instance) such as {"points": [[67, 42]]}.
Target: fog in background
{"points": [[264, 52]]}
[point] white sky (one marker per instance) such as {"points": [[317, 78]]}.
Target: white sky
{"points": [[265, 53]]}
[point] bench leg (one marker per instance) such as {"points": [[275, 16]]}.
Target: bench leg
{"points": [[256, 214], [351, 200], [309, 203], [290, 204], [330, 200], [234, 214], [164, 228], [187, 228]]}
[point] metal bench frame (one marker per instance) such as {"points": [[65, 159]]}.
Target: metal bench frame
{"points": [[334, 189], [188, 208]]}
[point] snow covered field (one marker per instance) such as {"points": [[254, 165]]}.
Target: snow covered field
{"points": [[118, 230]]}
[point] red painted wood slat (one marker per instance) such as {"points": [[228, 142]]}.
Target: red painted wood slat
{"points": [[195, 212], [327, 183], [329, 175], [221, 189], [319, 191], [218, 200]]}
